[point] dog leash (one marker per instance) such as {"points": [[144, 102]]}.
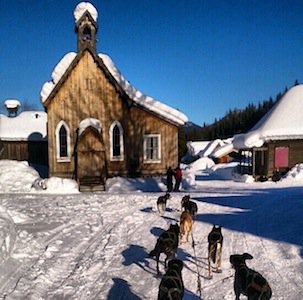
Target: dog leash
{"points": [[199, 288]]}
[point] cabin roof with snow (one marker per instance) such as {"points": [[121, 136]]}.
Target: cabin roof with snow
{"points": [[27, 126], [283, 122]]}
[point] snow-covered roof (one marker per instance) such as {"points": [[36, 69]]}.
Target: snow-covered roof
{"points": [[57, 73], [134, 94], [223, 150], [29, 125], [216, 148], [89, 122], [283, 122], [12, 103], [194, 148], [82, 7]]}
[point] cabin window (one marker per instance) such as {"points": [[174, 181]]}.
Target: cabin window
{"points": [[63, 142], [152, 148], [116, 141]]}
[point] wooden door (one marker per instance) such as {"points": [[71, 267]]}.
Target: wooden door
{"points": [[91, 155]]}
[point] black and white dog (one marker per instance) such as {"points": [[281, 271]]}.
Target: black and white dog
{"points": [[161, 203], [171, 286], [215, 244], [247, 281], [167, 243]]}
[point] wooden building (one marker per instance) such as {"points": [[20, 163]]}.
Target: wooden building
{"points": [[23, 137], [275, 144], [98, 124]]}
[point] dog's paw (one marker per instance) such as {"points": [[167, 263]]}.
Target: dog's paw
{"points": [[218, 271]]}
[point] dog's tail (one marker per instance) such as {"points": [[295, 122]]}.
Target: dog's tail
{"points": [[213, 252]]}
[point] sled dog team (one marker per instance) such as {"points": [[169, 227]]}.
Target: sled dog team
{"points": [[246, 281]]}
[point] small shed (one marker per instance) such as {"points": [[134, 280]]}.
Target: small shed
{"points": [[23, 137], [275, 143]]}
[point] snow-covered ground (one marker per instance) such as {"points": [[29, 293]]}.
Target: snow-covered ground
{"points": [[58, 243]]}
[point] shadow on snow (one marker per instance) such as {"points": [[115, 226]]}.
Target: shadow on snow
{"points": [[270, 213]]}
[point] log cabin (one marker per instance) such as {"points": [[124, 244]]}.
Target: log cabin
{"points": [[98, 124], [275, 144]]}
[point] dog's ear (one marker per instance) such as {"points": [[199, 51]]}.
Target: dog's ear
{"points": [[247, 256]]}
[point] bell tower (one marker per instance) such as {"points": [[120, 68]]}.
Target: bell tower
{"points": [[86, 25]]}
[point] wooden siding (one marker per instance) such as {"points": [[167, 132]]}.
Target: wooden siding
{"points": [[32, 151], [89, 92], [295, 153]]}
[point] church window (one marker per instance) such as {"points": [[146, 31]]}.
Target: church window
{"points": [[63, 141], [116, 141]]}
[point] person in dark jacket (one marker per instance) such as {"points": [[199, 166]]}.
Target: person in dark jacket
{"points": [[169, 179]]}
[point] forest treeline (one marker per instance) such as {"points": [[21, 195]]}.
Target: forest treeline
{"points": [[235, 121]]}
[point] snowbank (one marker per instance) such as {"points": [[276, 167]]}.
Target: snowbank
{"points": [[19, 177], [295, 174]]}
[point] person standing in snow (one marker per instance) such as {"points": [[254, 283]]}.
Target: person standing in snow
{"points": [[169, 179], [178, 177]]}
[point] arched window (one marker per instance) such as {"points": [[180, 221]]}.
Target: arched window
{"points": [[116, 141], [62, 141]]}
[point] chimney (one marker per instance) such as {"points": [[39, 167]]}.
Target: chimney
{"points": [[12, 106]]}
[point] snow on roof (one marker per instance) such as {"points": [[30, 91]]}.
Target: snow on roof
{"points": [[215, 148], [89, 122], [223, 150], [194, 148], [12, 103], [57, 73], [209, 149], [134, 94], [82, 7], [283, 122], [29, 125]]}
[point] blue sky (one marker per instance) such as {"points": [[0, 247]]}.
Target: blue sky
{"points": [[202, 57]]}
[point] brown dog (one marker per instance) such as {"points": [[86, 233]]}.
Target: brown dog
{"points": [[247, 281], [186, 225]]}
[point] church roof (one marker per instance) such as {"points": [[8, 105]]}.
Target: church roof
{"points": [[133, 93]]}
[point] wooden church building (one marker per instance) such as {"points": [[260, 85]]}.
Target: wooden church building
{"points": [[98, 124]]}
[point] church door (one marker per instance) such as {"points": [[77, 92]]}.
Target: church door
{"points": [[91, 167]]}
